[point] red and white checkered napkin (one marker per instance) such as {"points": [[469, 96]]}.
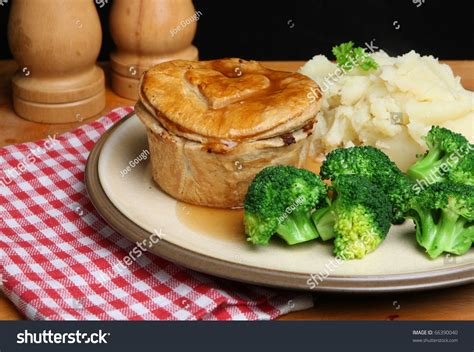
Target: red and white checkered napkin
{"points": [[55, 250]]}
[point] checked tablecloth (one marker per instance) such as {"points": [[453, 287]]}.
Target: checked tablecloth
{"points": [[55, 250]]}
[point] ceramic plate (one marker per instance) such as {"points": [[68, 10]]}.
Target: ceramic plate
{"points": [[119, 182]]}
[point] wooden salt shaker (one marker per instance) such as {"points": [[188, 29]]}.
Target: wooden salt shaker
{"points": [[148, 32], [56, 44]]}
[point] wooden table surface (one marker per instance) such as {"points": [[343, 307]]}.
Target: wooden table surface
{"points": [[448, 304]]}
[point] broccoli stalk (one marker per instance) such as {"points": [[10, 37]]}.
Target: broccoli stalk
{"points": [[279, 201], [358, 217], [432, 160], [326, 220], [297, 228], [446, 150], [377, 167], [444, 217], [448, 235]]}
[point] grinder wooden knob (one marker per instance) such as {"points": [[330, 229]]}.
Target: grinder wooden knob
{"points": [[56, 44], [147, 32]]}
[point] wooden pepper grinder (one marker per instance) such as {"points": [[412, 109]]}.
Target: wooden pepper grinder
{"points": [[147, 32], [56, 44]]}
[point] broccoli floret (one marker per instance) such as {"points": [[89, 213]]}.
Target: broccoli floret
{"points": [[377, 167], [444, 217], [358, 216], [463, 172], [446, 149], [280, 200], [348, 57]]}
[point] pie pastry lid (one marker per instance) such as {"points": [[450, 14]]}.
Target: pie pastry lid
{"points": [[229, 100]]}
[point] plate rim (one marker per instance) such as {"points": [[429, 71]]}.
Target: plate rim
{"points": [[259, 276]]}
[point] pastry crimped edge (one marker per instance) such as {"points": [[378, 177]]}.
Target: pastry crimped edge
{"points": [[189, 173]]}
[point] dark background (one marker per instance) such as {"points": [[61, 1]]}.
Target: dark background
{"points": [[299, 29]]}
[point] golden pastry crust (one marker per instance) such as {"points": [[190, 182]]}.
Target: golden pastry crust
{"points": [[213, 125], [227, 101], [188, 173]]}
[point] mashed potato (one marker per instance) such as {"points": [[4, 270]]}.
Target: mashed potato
{"points": [[390, 108]]}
